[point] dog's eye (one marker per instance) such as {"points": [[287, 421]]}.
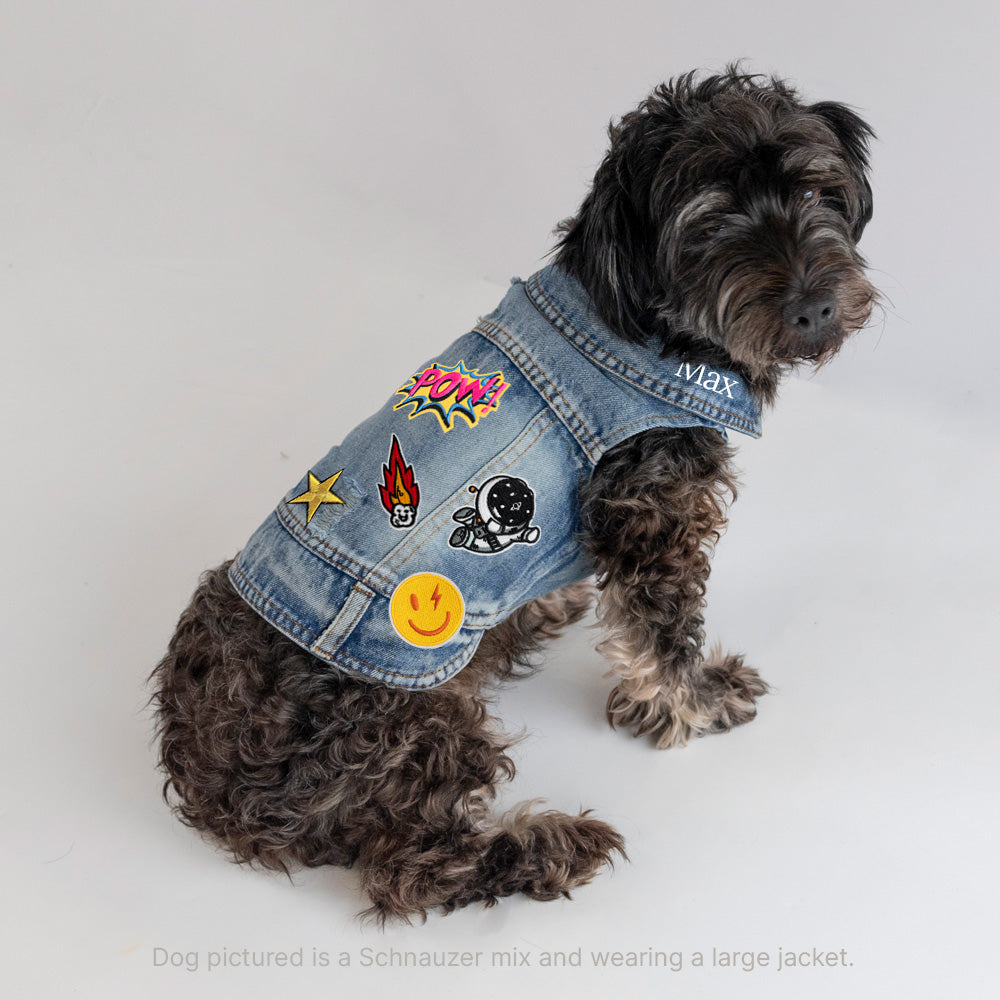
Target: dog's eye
{"points": [[811, 196]]}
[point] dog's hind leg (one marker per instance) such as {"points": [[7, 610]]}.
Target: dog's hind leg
{"points": [[654, 508], [439, 846], [543, 855], [547, 616]]}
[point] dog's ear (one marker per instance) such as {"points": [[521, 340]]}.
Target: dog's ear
{"points": [[854, 135], [611, 244]]}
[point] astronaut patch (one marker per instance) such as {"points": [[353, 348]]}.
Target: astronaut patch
{"points": [[398, 490], [449, 391], [501, 516]]}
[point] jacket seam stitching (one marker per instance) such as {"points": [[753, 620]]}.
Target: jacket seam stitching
{"points": [[393, 673], [344, 633], [323, 550], [281, 612], [533, 373], [658, 420]]}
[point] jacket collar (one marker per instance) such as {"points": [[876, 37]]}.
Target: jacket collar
{"points": [[717, 393]]}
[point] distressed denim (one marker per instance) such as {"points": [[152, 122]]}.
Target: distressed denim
{"points": [[490, 442]]}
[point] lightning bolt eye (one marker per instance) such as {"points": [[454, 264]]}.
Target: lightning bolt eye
{"points": [[436, 596]]}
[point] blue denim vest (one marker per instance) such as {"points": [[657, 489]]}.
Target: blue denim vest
{"points": [[456, 502]]}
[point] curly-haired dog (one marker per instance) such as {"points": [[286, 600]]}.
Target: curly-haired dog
{"points": [[324, 699]]}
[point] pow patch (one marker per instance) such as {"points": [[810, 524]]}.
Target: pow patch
{"points": [[453, 390]]}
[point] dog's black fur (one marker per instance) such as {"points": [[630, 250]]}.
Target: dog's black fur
{"points": [[722, 228]]}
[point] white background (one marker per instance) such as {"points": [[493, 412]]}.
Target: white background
{"points": [[229, 229]]}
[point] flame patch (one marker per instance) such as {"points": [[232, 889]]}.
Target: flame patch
{"points": [[398, 491], [448, 391]]}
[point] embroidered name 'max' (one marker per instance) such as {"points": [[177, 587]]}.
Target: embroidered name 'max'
{"points": [[707, 378]]}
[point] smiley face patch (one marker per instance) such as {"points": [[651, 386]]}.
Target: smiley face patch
{"points": [[426, 610]]}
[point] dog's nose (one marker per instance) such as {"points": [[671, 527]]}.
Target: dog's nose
{"points": [[811, 314]]}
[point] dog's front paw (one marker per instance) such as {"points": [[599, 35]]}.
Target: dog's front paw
{"points": [[670, 721], [720, 695], [735, 688]]}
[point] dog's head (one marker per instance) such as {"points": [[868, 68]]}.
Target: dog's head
{"points": [[723, 222]]}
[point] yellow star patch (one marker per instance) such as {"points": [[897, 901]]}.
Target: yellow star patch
{"points": [[318, 493]]}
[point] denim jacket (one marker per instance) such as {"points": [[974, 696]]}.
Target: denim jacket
{"points": [[456, 503]]}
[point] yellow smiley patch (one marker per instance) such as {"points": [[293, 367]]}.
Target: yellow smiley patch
{"points": [[426, 609]]}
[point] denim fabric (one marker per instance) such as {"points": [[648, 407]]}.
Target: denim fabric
{"points": [[542, 389]]}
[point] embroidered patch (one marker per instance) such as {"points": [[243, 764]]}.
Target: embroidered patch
{"points": [[318, 493], [398, 490], [426, 610], [452, 390], [502, 516]]}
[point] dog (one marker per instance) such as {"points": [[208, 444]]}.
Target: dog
{"points": [[715, 252]]}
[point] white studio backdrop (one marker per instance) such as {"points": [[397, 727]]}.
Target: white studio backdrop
{"points": [[228, 229]]}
